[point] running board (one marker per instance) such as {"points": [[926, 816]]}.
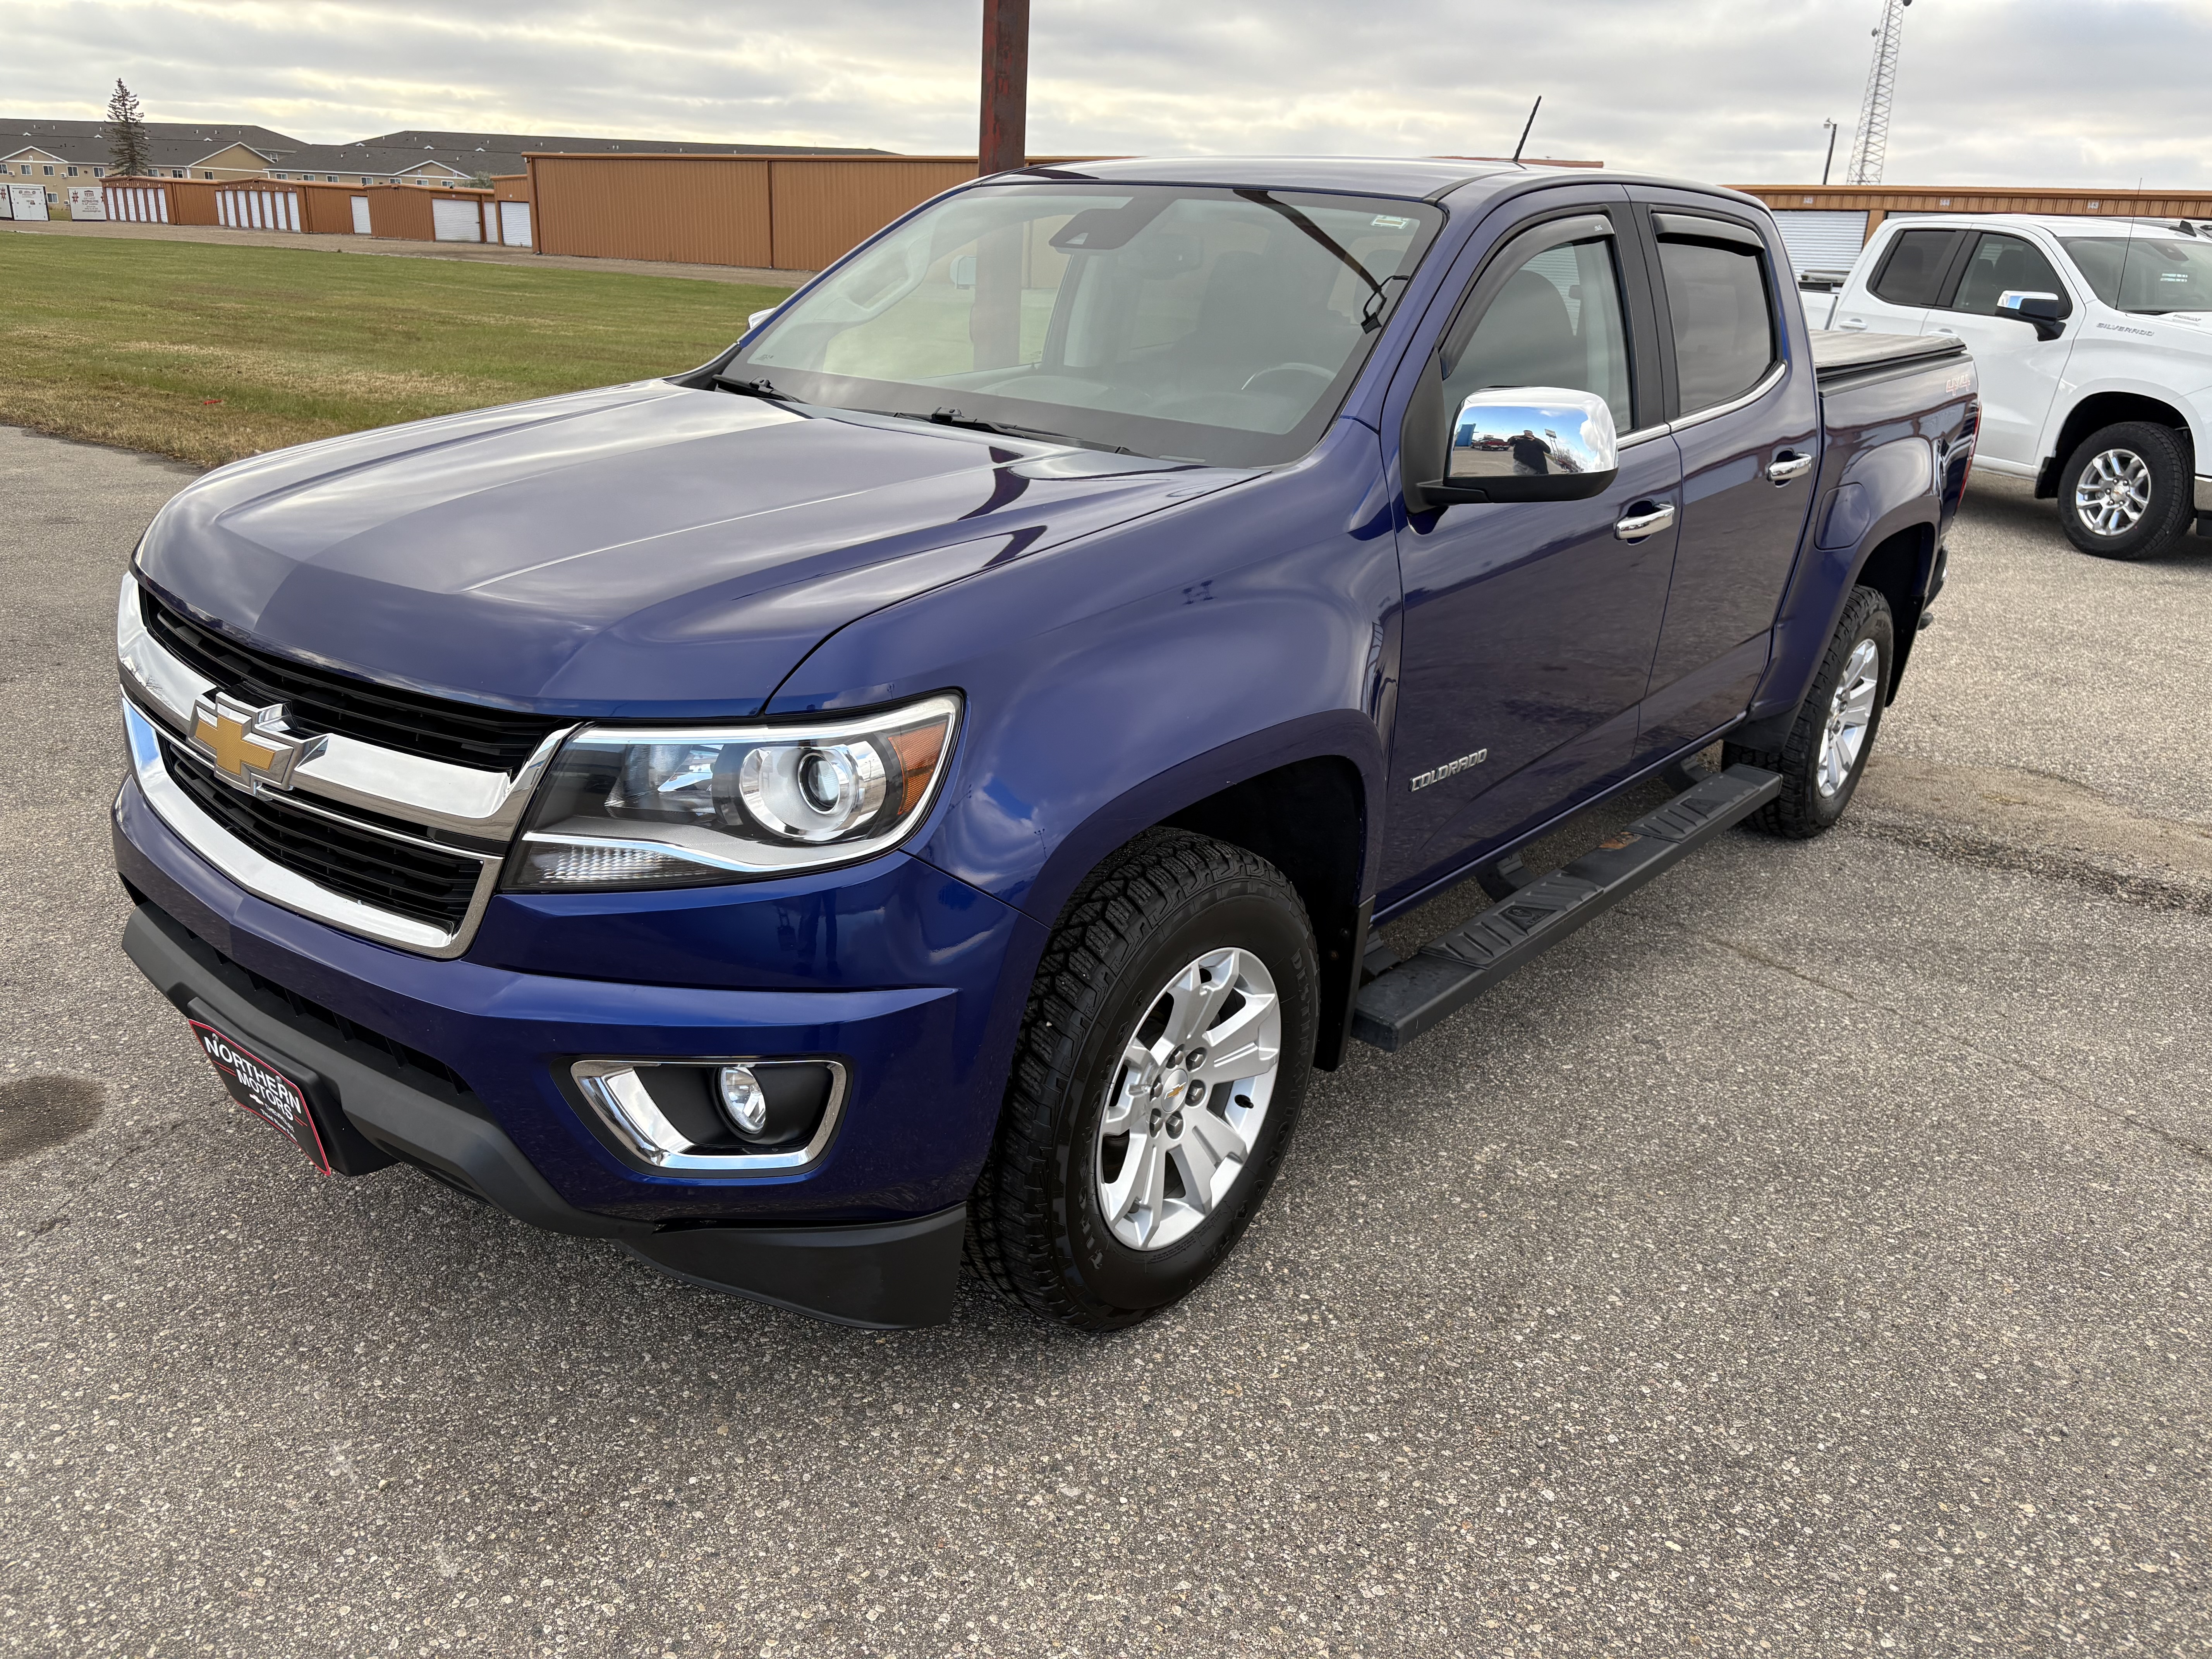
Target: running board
{"points": [[1405, 999]]}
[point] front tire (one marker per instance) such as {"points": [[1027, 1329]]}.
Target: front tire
{"points": [[1165, 1053], [1825, 754], [2126, 492]]}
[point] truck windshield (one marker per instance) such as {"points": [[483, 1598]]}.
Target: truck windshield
{"points": [[2147, 274], [1218, 326]]}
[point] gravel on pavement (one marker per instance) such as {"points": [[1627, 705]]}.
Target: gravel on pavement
{"points": [[1809, 1257]]}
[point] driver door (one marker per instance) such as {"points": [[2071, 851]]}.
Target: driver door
{"points": [[1530, 626]]}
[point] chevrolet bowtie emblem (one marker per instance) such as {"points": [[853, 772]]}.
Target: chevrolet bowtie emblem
{"points": [[248, 746]]}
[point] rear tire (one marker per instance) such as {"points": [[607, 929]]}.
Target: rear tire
{"points": [[1825, 755], [2127, 491], [1056, 1222]]}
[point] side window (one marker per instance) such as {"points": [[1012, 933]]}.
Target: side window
{"points": [[1912, 269], [2002, 264], [1724, 318], [1558, 321]]}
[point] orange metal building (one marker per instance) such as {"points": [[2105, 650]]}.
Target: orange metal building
{"points": [[778, 213], [1859, 209]]}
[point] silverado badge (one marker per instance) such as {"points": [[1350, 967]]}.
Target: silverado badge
{"points": [[247, 746]]}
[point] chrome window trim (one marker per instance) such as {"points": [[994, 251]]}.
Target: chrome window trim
{"points": [[466, 799], [598, 1081], [1642, 434], [265, 878], [1765, 384]]}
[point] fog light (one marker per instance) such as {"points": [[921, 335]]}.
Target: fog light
{"points": [[744, 1101]]}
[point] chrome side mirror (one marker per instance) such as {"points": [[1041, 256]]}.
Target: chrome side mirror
{"points": [[1523, 443], [2042, 310]]}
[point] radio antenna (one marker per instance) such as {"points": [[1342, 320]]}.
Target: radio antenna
{"points": [[1523, 144], [2120, 290]]}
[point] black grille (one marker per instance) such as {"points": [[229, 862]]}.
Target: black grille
{"points": [[320, 700], [408, 881]]}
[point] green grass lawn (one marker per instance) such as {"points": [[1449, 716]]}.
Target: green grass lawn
{"points": [[209, 353]]}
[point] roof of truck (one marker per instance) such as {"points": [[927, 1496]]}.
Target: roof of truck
{"points": [[2059, 224], [1377, 175]]}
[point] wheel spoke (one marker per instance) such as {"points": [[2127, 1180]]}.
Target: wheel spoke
{"points": [[1197, 992], [1238, 1047], [1133, 1198], [1223, 1139], [1198, 1165], [1858, 703]]}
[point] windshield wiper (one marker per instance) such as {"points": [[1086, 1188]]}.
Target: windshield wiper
{"points": [[753, 389], [970, 423], [1370, 314]]}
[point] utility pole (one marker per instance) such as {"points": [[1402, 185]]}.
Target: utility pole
{"points": [[1002, 145], [1871, 144], [1826, 165]]}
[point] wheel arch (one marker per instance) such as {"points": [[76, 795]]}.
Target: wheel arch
{"points": [[1306, 797], [1898, 567], [2102, 409], [1309, 819]]}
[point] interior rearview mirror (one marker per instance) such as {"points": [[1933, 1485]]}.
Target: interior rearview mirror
{"points": [[2045, 311], [1528, 443]]}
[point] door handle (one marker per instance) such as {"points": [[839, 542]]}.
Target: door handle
{"points": [[1642, 526], [1853, 323], [1953, 332], [1787, 466]]}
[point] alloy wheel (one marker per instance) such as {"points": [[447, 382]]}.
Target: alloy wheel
{"points": [[1186, 1105], [1850, 716], [2112, 493]]}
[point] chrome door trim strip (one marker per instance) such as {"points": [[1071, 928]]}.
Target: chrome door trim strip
{"points": [[265, 878], [1766, 383]]}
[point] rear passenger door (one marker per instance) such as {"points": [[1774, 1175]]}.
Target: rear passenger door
{"points": [[1745, 418], [1908, 277]]}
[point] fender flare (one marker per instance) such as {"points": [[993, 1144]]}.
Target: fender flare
{"points": [[1839, 571]]}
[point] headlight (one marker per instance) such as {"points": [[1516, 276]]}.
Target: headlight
{"points": [[677, 806]]}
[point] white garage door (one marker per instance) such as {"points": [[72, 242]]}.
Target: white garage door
{"points": [[360, 215], [456, 221], [1822, 241], [514, 223]]}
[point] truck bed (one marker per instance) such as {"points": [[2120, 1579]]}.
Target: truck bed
{"points": [[1839, 355]]}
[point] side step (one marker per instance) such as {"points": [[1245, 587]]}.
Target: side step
{"points": [[1405, 1000]]}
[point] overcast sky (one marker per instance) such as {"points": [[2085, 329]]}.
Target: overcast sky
{"points": [[2079, 92]]}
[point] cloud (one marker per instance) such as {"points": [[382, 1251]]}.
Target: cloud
{"points": [[2089, 92]]}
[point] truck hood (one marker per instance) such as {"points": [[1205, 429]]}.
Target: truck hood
{"points": [[647, 550]]}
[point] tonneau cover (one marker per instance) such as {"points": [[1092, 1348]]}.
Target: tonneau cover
{"points": [[1837, 352]]}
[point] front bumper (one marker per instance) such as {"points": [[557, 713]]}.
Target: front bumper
{"points": [[869, 1233], [885, 1275]]}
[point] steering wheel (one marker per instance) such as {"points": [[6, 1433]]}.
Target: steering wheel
{"points": [[1258, 382]]}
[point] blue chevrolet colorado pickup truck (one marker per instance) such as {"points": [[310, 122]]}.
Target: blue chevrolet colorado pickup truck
{"points": [[928, 780]]}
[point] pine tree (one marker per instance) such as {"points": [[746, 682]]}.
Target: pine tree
{"points": [[127, 134]]}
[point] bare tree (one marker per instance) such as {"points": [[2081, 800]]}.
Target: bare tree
{"points": [[127, 134]]}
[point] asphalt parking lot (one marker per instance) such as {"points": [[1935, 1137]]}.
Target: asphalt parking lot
{"points": [[1809, 1257]]}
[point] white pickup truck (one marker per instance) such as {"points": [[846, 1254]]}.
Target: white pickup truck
{"points": [[2094, 339]]}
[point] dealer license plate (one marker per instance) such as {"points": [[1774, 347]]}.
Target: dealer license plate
{"points": [[266, 1088]]}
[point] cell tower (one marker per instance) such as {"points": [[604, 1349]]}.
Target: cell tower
{"points": [[1872, 140]]}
